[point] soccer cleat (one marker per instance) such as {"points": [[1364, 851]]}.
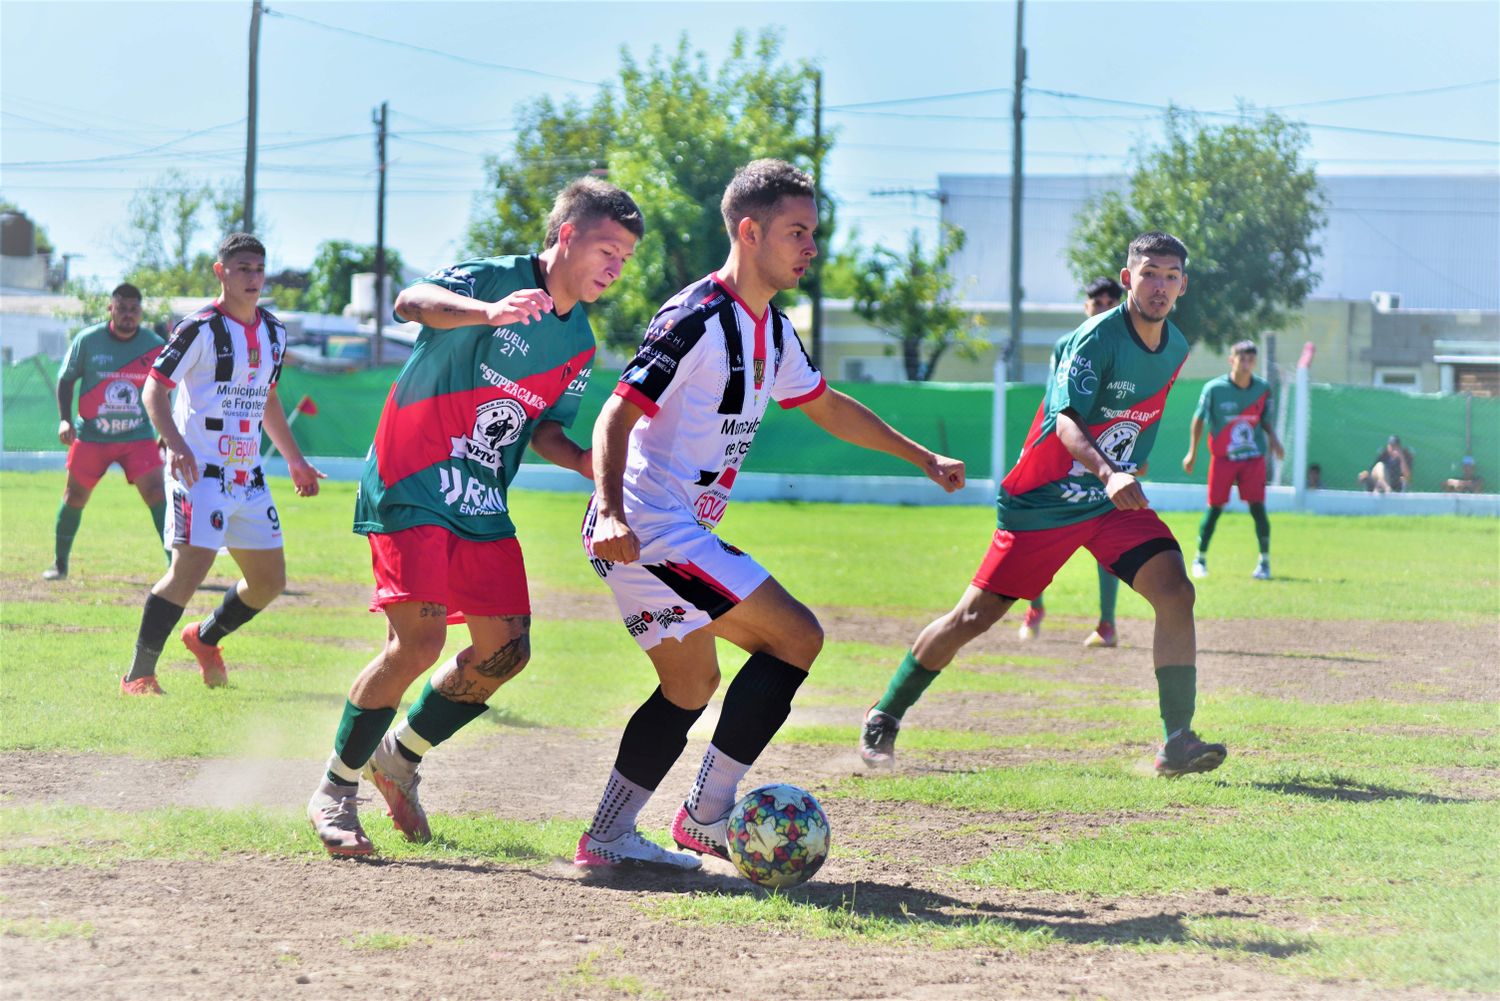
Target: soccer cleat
{"points": [[1184, 752], [335, 817], [1262, 570], [693, 835], [210, 658], [1200, 568], [55, 572], [1031, 625], [141, 686], [396, 779], [877, 741], [1103, 635], [629, 849]]}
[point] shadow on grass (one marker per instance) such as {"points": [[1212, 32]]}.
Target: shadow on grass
{"points": [[1352, 791], [843, 902]]}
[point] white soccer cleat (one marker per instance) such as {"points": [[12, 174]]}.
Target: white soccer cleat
{"points": [[1200, 568], [335, 817], [1262, 570], [396, 779], [630, 849]]}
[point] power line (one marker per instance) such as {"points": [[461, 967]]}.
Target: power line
{"points": [[992, 92], [455, 57]]}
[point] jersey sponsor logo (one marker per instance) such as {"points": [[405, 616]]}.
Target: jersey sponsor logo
{"points": [[511, 343], [497, 424], [578, 384], [650, 357], [641, 621], [1080, 376], [1242, 439], [121, 397], [468, 494], [1142, 416], [709, 507], [638, 623], [216, 520], [237, 451], [451, 277], [501, 381], [116, 425], [1122, 388], [1075, 493]]}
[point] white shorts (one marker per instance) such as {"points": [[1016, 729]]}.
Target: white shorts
{"points": [[686, 577], [212, 514]]}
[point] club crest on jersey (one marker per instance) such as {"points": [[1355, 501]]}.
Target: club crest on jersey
{"points": [[760, 371], [121, 397], [1118, 442], [497, 424], [1082, 380]]}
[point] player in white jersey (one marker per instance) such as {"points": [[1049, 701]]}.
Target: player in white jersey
{"points": [[667, 448], [224, 362]]}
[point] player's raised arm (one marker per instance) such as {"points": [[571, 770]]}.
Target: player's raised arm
{"points": [[613, 538], [443, 309], [1121, 486], [552, 443], [849, 420]]}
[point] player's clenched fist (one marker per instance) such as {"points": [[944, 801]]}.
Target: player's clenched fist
{"points": [[946, 473], [614, 541], [1125, 491]]}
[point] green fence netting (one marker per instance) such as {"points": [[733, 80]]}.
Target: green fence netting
{"points": [[1349, 424]]}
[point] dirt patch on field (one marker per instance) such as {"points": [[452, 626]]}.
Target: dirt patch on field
{"points": [[258, 928]]}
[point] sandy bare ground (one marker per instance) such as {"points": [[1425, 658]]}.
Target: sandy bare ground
{"points": [[249, 927]]}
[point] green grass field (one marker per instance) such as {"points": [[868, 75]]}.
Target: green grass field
{"points": [[1370, 824]]}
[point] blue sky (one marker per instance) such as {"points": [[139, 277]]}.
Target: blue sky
{"points": [[97, 99]]}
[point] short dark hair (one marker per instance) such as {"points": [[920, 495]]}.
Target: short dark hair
{"points": [[1103, 286], [1156, 242], [125, 290], [240, 243], [589, 200], [758, 187], [1243, 348]]}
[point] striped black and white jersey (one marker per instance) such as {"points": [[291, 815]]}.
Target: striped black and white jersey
{"points": [[223, 372], [704, 374]]}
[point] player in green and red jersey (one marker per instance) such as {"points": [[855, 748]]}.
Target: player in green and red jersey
{"points": [[110, 361], [1237, 409], [1099, 295], [502, 361], [1074, 486]]}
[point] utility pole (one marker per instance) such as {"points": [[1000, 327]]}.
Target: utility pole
{"points": [[1013, 352], [255, 9], [817, 282], [377, 343]]}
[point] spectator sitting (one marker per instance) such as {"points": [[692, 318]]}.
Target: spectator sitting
{"points": [[1391, 470], [1468, 482], [1314, 477]]}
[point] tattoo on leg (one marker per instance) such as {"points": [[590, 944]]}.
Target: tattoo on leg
{"points": [[473, 679], [430, 610]]}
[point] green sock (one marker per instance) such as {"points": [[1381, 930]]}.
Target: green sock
{"points": [[1109, 591], [359, 734], [435, 717], [1037, 604], [67, 527], [1262, 528], [1206, 528], [907, 685], [1177, 692], [159, 518]]}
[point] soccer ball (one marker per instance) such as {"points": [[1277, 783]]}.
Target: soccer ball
{"points": [[778, 836]]}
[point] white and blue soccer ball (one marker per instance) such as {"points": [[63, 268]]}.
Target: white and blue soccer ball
{"points": [[778, 836]]}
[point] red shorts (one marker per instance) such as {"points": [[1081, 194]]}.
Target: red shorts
{"points": [[1022, 564], [88, 461], [1249, 475], [430, 564]]}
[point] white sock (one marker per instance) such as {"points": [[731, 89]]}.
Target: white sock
{"points": [[337, 767], [714, 791], [411, 740], [619, 807]]}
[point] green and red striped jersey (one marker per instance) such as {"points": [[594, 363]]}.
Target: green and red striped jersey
{"points": [[110, 373], [1118, 387], [1236, 417], [464, 407]]}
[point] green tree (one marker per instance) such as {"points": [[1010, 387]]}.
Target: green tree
{"points": [[910, 298], [1245, 202], [671, 134], [334, 264]]}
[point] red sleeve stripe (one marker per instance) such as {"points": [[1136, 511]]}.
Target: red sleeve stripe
{"points": [[797, 401], [640, 399], [156, 374]]}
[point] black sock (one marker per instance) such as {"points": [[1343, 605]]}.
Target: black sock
{"points": [[654, 739], [229, 616], [756, 704], [1262, 527], [157, 622]]}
